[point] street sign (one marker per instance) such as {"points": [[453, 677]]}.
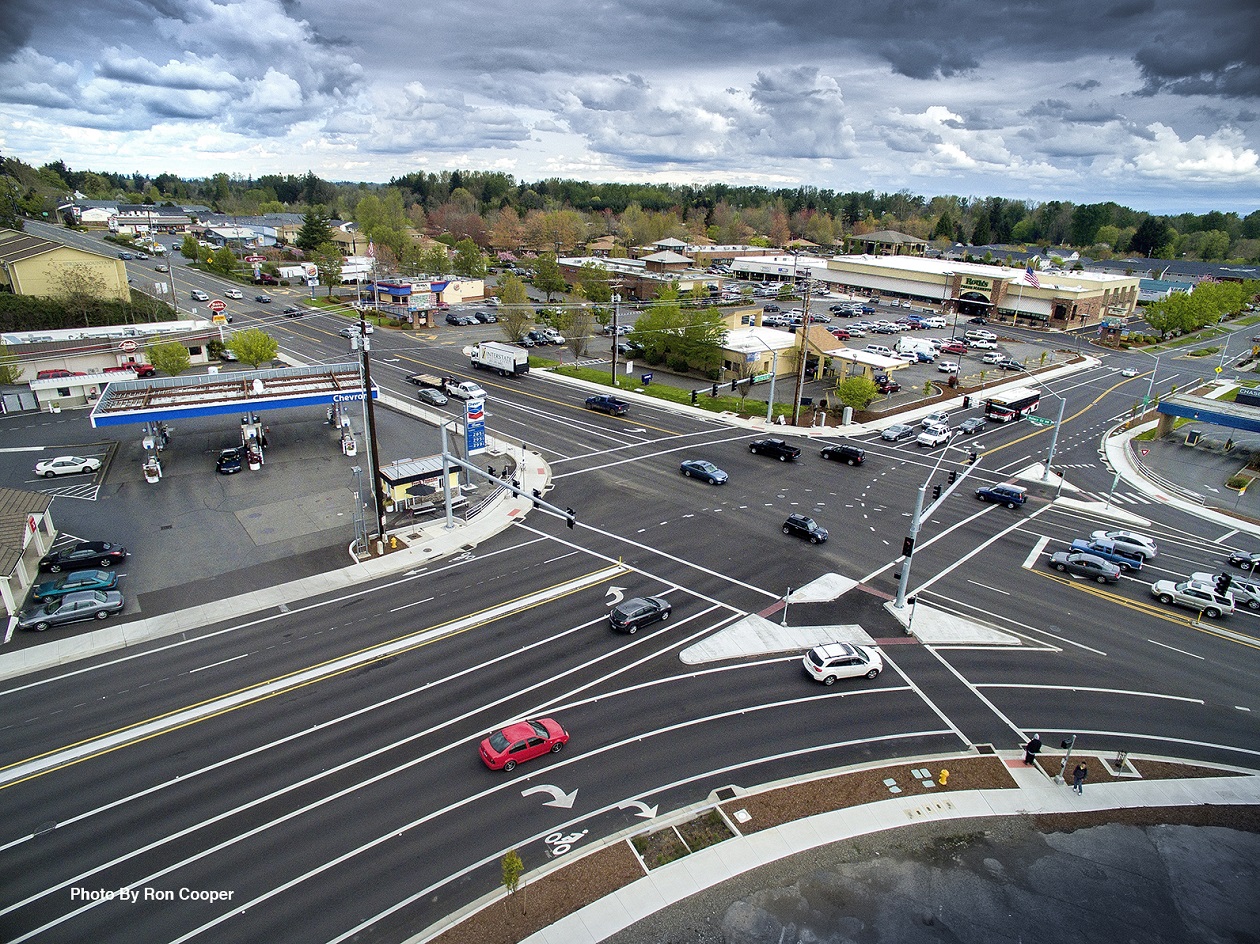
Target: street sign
{"points": [[219, 319], [1040, 421], [255, 258], [1145, 451], [217, 305]]}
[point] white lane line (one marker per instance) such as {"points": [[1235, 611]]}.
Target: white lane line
{"points": [[1015, 525], [1175, 649], [1226, 536], [413, 603], [1000, 470], [985, 586], [243, 655], [1086, 688], [1035, 554], [552, 560], [648, 455], [26, 448]]}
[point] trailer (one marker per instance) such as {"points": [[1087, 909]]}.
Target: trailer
{"points": [[1012, 404], [427, 380], [507, 359]]}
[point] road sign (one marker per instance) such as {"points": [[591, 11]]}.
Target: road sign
{"points": [[255, 258], [1144, 451], [217, 305], [1040, 421], [219, 319]]}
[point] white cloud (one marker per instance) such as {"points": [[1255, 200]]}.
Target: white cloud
{"points": [[1222, 156]]}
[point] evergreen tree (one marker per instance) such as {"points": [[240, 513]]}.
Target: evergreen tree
{"points": [[314, 232]]}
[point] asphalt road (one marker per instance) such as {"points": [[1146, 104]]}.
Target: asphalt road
{"points": [[337, 799]]}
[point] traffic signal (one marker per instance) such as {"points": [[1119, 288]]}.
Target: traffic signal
{"points": [[571, 517], [537, 495], [714, 392], [971, 458], [693, 396], [953, 476], [733, 383], [1223, 581], [936, 492]]}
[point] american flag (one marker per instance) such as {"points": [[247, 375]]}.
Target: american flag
{"points": [[1030, 276], [371, 250]]}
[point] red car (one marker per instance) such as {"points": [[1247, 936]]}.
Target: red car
{"points": [[523, 741], [955, 347]]}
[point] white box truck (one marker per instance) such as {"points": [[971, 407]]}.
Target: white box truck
{"points": [[917, 346], [507, 359]]}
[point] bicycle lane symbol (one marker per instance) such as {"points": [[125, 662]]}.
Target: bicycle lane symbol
{"points": [[559, 843]]}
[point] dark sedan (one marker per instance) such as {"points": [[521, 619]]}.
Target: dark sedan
{"points": [[701, 469], [83, 554], [844, 452], [1245, 561], [229, 461], [632, 615], [970, 427], [1086, 565], [263, 299], [775, 448], [74, 581], [73, 607]]}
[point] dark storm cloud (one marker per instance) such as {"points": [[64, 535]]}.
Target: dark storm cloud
{"points": [[20, 18], [1091, 113]]}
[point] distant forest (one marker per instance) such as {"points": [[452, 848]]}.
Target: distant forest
{"points": [[497, 212]]}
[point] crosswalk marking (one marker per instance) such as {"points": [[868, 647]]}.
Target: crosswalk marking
{"points": [[1122, 498]]}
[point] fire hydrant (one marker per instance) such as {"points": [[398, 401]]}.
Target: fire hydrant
{"points": [[944, 778], [393, 543]]}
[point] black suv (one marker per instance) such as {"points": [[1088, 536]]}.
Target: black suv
{"points": [[845, 453], [805, 527], [637, 612], [774, 447], [81, 555]]}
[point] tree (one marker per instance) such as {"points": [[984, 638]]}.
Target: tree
{"points": [[10, 368], [547, 277], [435, 260], [188, 247], [223, 260], [578, 323], [593, 284], [657, 331], [327, 259], [253, 347], [703, 335], [857, 392], [515, 312], [314, 232], [980, 233], [1151, 234], [513, 869], [170, 357], [469, 262], [81, 290]]}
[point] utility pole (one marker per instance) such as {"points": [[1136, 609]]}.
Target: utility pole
{"points": [[804, 356], [374, 459], [616, 336]]}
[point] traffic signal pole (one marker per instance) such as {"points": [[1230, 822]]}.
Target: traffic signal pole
{"points": [[916, 519]]}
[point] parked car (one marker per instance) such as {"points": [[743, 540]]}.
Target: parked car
{"points": [[897, 432], [702, 469], [953, 347], [431, 396], [775, 448], [844, 452], [1085, 565], [553, 336], [523, 741], [67, 465], [266, 279], [229, 461], [803, 526], [486, 317], [1009, 363], [934, 436], [1130, 541], [83, 554], [1194, 596], [71, 608], [74, 581], [263, 299], [232, 293], [981, 344], [1008, 495], [605, 403], [992, 357], [887, 384], [971, 426], [839, 660], [947, 367], [629, 616]]}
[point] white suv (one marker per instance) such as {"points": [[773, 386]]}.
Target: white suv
{"points": [[839, 660], [1195, 596]]}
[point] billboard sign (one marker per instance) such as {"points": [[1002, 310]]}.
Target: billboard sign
{"points": [[475, 426]]}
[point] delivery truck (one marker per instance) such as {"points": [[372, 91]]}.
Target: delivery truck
{"points": [[507, 359]]}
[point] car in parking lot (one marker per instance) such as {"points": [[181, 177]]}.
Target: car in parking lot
{"points": [[839, 660], [992, 357], [629, 616], [775, 448], [83, 554], [947, 367], [803, 526], [232, 293], [897, 432], [953, 347], [431, 396], [74, 581], [1008, 495], [198, 295], [229, 461], [1194, 596], [67, 465], [1085, 565], [71, 608], [981, 344], [522, 741], [1008, 363], [934, 436], [486, 317], [263, 299], [459, 320], [844, 452], [604, 403], [1130, 541], [886, 384], [971, 426], [704, 470]]}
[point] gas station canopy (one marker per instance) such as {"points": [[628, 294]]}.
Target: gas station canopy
{"points": [[126, 402]]}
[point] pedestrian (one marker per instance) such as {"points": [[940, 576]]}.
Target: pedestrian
{"points": [[1032, 749], [1078, 778]]}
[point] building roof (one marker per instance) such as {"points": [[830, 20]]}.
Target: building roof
{"points": [[888, 236], [1059, 281], [758, 340], [15, 506], [16, 246], [666, 257], [669, 242]]}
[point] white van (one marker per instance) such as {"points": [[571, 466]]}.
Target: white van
{"points": [[916, 346], [880, 350], [936, 321], [981, 336]]}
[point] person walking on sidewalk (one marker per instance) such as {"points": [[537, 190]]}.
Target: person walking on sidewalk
{"points": [[1078, 778], [1032, 749]]}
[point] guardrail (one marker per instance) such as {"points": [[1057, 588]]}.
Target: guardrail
{"points": [[1135, 458]]}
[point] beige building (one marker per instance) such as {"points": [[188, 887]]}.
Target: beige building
{"points": [[1058, 299], [31, 265]]}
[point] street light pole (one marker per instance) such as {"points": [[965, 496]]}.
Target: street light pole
{"points": [[1151, 386], [1054, 439]]}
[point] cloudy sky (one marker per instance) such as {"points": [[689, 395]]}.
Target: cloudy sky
{"points": [[1152, 103]]}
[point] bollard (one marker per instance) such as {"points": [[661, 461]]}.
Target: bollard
{"points": [[944, 777]]}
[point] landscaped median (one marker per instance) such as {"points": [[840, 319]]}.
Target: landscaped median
{"points": [[566, 885]]}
